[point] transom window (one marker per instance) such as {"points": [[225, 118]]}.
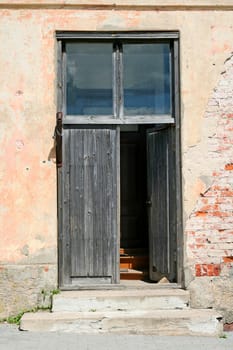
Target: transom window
{"points": [[119, 79]]}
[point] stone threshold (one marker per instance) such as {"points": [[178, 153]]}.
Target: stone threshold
{"points": [[130, 284]]}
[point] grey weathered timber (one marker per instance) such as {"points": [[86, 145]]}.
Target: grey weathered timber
{"points": [[116, 35], [177, 145], [90, 209], [65, 257], [150, 119], [161, 196]]}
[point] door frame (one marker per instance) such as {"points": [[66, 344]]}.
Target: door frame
{"points": [[171, 35]]}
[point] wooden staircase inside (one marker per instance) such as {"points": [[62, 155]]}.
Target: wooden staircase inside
{"points": [[134, 264]]}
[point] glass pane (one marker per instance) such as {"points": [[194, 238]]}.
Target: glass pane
{"points": [[89, 79], [146, 74]]}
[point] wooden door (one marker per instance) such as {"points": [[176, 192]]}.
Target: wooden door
{"points": [[161, 173], [90, 215]]}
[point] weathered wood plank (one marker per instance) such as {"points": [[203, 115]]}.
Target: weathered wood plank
{"points": [[92, 186], [120, 35], [111, 120], [177, 141], [66, 208], [162, 194]]}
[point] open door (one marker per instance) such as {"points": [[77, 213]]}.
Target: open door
{"points": [[89, 240], [161, 202]]}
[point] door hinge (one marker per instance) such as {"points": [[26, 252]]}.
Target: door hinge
{"points": [[58, 139]]}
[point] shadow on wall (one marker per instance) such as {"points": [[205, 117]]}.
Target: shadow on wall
{"points": [[52, 153]]}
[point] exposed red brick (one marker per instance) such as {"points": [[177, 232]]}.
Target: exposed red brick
{"points": [[201, 213], [222, 200], [198, 270], [229, 166], [226, 193], [227, 259], [212, 218], [223, 148], [216, 270], [209, 207], [46, 269], [220, 213], [207, 270], [191, 233], [228, 327], [200, 245], [200, 240], [220, 188], [204, 200]]}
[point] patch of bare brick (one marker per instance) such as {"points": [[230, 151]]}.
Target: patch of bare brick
{"points": [[207, 270], [209, 230], [228, 327], [229, 166]]}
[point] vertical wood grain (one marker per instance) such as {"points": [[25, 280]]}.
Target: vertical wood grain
{"points": [[92, 184]]}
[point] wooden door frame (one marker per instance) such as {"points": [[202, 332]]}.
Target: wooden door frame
{"points": [[174, 36]]}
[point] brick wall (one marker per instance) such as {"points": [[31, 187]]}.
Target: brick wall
{"points": [[209, 229]]}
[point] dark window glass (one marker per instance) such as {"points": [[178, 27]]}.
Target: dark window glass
{"points": [[89, 79], [146, 79]]}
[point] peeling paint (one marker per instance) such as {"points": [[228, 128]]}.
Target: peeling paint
{"points": [[25, 250]]}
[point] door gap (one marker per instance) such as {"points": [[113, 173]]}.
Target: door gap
{"points": [[134, 256]]}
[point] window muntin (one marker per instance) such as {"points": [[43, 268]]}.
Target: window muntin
{"points": [[89, 79], [119, 81]]}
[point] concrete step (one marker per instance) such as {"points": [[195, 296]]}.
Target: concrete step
{"points": [[128, 299], [157, 322]]}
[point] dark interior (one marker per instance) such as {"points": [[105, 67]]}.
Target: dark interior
{"points": [[134, 228]]}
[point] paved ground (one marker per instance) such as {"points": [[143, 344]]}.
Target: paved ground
{"points": [[12, 339]]}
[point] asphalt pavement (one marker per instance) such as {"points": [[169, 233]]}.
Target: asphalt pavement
{"points": [[13, 339]]}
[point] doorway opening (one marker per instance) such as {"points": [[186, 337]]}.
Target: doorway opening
{"points": [[134, 254], [102, 91]]}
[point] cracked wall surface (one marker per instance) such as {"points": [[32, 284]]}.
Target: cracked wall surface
{"points": [[28, 214], [209, 229]]}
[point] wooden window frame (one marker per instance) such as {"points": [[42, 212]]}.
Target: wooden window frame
{"points": [[117, 39]]}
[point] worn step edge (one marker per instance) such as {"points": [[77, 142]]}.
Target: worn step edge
{"points": [[123, 292], [123, 300], [124, 285], [173, 322]]}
